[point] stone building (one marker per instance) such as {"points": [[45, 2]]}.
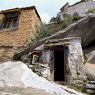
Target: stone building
{"points": [[80, 8], [17, 27], [65, 58], [66, 51]]}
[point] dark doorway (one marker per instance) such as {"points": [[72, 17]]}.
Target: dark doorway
{"points": [[59, 64]]}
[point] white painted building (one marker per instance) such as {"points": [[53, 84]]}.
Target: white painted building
{"points": [[81, 8]]}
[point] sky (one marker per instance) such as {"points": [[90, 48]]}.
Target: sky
{"points": [[46, 8]]}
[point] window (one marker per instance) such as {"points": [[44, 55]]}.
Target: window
{"points": [[10, 21]]}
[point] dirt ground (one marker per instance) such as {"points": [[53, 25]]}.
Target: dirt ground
{"points": [[23, 91]]}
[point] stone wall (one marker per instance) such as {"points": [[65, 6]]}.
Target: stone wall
{"points": [[29, 24], [28, 27], [75, 73], [81, 8], [6, 53], [55, 27], [76, 62]]}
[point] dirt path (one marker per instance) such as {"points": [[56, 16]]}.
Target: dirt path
{"points": [[22, 91]]}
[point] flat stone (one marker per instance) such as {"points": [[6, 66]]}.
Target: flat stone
{"points": [[90, 86], [90, 91], [17, 74]]}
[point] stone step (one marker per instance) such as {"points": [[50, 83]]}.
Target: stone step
{"points": [[90, 87]]}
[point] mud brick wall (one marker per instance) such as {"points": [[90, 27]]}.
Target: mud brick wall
{"points": [[29, 24]]}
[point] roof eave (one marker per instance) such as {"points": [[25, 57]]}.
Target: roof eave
{"points": [[19, 9]]}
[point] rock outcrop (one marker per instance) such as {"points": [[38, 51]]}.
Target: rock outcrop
{"points": [[17, 74], [90, 66]]}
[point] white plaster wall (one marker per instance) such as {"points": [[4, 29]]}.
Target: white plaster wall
{"points": [[90, 5], [46, 56], [61, 16], [81, 8], [70, 10], [75, 61]]}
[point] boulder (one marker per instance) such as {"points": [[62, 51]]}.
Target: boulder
{"points": [[90, 71], [17, 74]]}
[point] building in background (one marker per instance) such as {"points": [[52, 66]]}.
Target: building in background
{"points": [[80, 8]]}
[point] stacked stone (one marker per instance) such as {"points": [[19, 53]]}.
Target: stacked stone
{"points": [[90, 87], [12, 42]]}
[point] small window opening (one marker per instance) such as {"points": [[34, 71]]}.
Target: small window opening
{"points": [[35, 59], [10, 21]]}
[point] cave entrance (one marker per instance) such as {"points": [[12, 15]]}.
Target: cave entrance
{"points": [[59, 63]]}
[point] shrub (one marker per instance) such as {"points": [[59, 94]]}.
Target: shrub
{"points": [[42, 33], [68, 19], [45, 32]]}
